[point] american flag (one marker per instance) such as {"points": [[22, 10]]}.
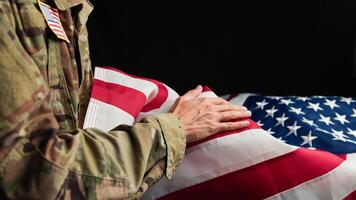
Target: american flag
{"points": [[314, 122], [52, 18], [299, 147]]}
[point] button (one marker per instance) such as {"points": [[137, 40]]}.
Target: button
{"points": [[40, 96]]}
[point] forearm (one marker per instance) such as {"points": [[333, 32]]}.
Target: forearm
{"points": [[135, 152]]}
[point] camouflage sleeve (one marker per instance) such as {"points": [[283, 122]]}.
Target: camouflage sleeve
{"points": [[39, 162], [136, 152]]}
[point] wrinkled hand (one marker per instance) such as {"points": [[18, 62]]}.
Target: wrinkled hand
{"points": [[205, 116]]}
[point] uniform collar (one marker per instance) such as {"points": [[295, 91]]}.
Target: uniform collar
{"points": [[66, 4], [86, 8]]}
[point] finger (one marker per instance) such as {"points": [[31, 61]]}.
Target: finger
{"points": [[229, 107], [228, 126], [233, 115], [193, 93], [221, 101], [217, 100]]}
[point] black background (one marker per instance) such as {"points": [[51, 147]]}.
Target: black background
{"points": [[277, 48]]}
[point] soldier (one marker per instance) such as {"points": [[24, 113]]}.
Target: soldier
{"points": [[45, 82]]}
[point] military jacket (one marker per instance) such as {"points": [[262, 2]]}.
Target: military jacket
{"points": [[45, 87]]}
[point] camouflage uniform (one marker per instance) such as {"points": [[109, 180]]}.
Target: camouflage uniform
{"points": [[44, 152]]}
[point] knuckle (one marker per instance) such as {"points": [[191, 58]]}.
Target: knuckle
{"points": [[223, 115], [182, 98], [205, 101], [209, 106], [212, 127], [214, 115]]}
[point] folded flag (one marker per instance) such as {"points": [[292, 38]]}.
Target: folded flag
{"points": [[281, 160]]}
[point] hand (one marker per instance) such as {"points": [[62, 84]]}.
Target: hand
{"points": [[205, 116]]}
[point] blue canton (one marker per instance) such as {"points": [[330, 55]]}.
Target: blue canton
{"points": [[315, 122]]}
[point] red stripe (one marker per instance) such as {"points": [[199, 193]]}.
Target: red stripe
{"points": [[56, 17], [162, 93], [54, 11], [57, 30], [253, 125], [342, 156], [125, 98], [60, 33], [351, 196], [264, 179], [160, 98], [206, 89], [56, 25]]}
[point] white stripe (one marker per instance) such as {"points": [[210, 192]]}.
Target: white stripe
{"points": [[205, 161], [55, 18], [226, 96], [55, 15], [110, 117], [87, 119], [105, 116], [351, 158], [337, 184], [57, 23], [240, 99], [57, 29], [146, 87], [95, 111], [208, 94]]}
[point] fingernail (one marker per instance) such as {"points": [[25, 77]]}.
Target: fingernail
{"points": [[249, 113], [245, 123]]}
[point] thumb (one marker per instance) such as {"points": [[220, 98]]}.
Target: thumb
{"points": [[193, 93]]}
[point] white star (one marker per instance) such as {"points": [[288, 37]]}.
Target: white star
{"points": [[331, 103], [308, 139], [326, 120], [315, 106], [298, 111], [260, 123], [354, 114], [271, 112], [293, 129], [275, 97], [310, 122], [318, 96], [286, 101], [348, 101], [270, 131], [338, 135], [302, 98], [261, 104], [351, 132], [341, 118], [281, 119]]}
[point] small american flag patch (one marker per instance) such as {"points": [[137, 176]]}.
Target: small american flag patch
{"points": [[52, 18]]}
